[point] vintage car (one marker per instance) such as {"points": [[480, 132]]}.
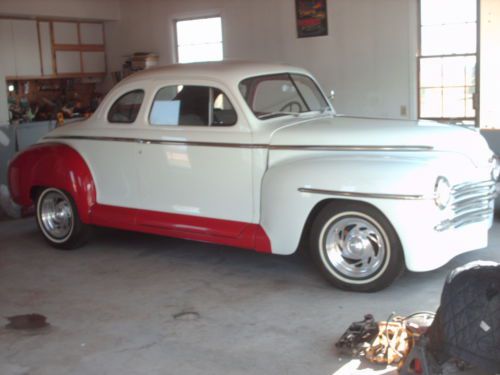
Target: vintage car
{"points": [[252, 155]]}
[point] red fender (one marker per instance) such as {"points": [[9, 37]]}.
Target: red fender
{"points": [[52, 165]]}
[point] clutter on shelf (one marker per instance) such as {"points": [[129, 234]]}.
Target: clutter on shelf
{"points": [[43, 99], [136, 62]]}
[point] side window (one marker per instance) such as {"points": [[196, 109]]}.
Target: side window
{"points": [[125, 109], [191, 106]]}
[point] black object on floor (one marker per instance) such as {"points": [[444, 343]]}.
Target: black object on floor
{"points": [[27, 322], [467, 324], [358, 334]]}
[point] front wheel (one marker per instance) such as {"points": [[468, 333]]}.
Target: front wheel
{"points": [[58, 220], [356, 247]]}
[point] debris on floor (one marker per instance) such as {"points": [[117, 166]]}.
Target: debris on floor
{"points": [[357, 338], [27, 322], [385, 342], [463, 332], [187, 315]]}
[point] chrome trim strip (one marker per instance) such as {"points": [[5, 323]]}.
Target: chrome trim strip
{"points": [[465, 219], [243, 145], [352, 148], [159, 142], [362, 195]]}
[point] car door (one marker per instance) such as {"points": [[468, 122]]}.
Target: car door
{"points": [[197, 161], [108, 145]]}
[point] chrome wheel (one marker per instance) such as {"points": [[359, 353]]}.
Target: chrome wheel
{"points": [[354, 246], [55, 215]]}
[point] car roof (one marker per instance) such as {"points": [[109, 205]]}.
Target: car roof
{"points": [[228, 71]]}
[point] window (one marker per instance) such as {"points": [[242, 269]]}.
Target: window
{"points": [[448, 60], [280, 94], [199, 40], [126, 108], [192, 106]]}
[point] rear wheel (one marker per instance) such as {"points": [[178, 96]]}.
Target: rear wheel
{"points": [[58, 220], [356, 247]]}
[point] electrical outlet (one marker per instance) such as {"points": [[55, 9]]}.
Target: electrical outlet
{"points": [[403, 111]]}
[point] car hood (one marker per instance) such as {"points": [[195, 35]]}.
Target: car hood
{"points": [[391, 135]]}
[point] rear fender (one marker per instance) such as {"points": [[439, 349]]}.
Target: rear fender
{"points": [[52, 165]]}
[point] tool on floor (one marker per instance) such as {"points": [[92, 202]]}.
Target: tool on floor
{"points": [[355, 339]]}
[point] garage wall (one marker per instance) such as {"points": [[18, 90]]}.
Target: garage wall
{"points": [[367, 57]]}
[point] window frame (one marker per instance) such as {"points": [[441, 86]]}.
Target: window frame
{"points": [[289, 74], [476, 96], [176, 38], [210, 108], [143, 91]]}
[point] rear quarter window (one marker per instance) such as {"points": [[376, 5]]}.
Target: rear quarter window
{"points": [[125, 109]]}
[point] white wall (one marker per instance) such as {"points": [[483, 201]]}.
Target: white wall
{"points": [[367, 57]]}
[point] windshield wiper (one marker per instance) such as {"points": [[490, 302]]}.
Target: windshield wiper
{"points": [[278, 113]]}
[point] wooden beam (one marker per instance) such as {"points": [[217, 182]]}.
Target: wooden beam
{"points": [[55, 76], [81, 47], [52, 42]]}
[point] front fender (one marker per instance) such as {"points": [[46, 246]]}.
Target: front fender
{"points": [[52, 165], [285, 210]]}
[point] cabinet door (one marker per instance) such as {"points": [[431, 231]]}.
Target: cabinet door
{"points": [[68, 62], [46, 48], [7, 58], [65, 32], [26, 50]]}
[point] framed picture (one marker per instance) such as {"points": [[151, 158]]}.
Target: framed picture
{"points": [[311, 18]]}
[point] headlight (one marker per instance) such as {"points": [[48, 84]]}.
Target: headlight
{"points": [[442, 192], [495, 168]]}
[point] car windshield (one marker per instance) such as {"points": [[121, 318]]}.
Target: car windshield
{"points": [[282, 94]]}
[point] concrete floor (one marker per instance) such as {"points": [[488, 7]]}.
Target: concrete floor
{"points": [[112, 307]]}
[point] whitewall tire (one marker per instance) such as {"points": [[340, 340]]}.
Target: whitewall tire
{"points": [[356, 247], [58, 220]]}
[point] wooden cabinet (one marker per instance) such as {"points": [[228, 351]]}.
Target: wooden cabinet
{"points": [[78, 48], [30, 48]]}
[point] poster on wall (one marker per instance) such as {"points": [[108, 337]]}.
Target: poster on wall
{"points": [[311, 18]]}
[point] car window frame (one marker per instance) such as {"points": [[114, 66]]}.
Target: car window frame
{"points": [[275, 74], [210, 110], [118, 99]]}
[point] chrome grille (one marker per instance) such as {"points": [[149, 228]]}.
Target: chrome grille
{"points": [[470, 203]]}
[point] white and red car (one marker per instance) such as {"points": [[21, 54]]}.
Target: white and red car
{"points": [[252, 155]]}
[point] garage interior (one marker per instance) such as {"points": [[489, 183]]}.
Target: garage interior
{"points": [[131, 303]]}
